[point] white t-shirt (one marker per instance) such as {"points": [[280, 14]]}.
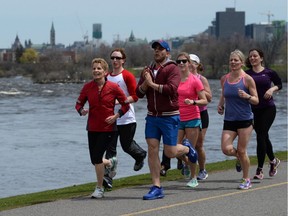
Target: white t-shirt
{"points": [[129, 116]]}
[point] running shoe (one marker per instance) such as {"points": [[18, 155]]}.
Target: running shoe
{"points": [[192, 183], [202, 175], [154, 193], [113, 167], [186, 171], [259, 174], [192, 154], [273, 167], [245, 184], [98, 193], [107, 182], [163, 171], [139, 164], [238, 166]]}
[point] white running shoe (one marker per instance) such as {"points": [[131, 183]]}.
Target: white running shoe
{"points": [[98, 193]]}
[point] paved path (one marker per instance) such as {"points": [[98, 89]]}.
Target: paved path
{"points": [[216, 196]]}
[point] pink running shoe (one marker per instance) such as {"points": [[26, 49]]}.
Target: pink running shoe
{"points": [[273, 167], [259, 174]]}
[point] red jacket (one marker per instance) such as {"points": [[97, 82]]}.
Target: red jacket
{"points": [[165, 101], [101, 105]]}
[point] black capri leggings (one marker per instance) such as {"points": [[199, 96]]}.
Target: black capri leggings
{"points": [[99, 142]]}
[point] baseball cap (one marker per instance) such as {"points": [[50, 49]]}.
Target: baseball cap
{"points": [[195, 58], [162, 43]]}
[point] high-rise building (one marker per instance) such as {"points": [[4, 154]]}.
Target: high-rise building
{"points": [[97, 31], [229, 23]]}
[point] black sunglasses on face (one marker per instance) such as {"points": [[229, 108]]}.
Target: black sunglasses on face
{"points": [[181, 60], [115, 58]]}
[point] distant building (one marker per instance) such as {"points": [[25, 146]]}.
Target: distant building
{"points": [[16, 50], [132, 40], [264, 32], [44, 49], [17, 44], [97, 31], [5, 55], [232, 22], [132, 37], [229, 23], [259, 32], [52, 36], [9, 55], [211, 29]]}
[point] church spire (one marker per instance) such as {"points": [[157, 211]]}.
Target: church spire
{"points": [[52, 35], [132, 37], [17, 44]]}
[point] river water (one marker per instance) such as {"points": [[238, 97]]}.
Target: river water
{"points": [[43, 141]]}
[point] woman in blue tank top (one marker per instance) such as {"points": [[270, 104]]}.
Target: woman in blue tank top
{"points": [[238, 92]]}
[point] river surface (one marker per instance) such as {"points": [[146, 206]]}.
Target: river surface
{"points": [[43, 141]]}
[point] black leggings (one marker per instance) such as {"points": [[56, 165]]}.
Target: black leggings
{"points": [[263, 119], [126, 135]]}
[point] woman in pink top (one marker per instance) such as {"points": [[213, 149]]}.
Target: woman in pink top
{"points": [[191, 94]]}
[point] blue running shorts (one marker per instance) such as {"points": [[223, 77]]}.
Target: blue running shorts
{"points": [[165, 126]]}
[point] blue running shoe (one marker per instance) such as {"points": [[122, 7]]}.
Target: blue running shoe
{"points": [[192, 154], [202, 175], [154, 193], [245, 184]]}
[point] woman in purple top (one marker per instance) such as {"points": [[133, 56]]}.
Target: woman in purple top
{"points": [[265, 111]]}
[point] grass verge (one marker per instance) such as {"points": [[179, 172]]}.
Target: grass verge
{"points": [[86, 189]]}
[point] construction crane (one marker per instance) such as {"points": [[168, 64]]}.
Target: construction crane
{"points": [[269, 15], [84, 35]]}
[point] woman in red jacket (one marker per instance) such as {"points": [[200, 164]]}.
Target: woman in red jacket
{"points": [[101, 124]]}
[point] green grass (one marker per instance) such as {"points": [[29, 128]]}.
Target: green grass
{"points": [[85, 189]]}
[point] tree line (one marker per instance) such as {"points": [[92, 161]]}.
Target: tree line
{"points": [[214, 54]]}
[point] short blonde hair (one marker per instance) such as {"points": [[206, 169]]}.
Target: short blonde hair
{"points": [[102, 62]]}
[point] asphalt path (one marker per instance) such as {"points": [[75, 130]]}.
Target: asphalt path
{"points": [[216, 196]]}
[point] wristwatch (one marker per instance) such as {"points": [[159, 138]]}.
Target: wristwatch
{"points": [[194, 102]]}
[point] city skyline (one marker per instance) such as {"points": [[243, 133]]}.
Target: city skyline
{"points": [[149, 19]]}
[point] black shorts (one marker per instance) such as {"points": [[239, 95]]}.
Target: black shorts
{"points": [[235, 125], [99, 142], [204, 119]]}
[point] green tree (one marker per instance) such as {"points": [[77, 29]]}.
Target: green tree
{"points": [[29, 56]]}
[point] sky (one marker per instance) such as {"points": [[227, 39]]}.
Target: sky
{"points": [[150, 19]]}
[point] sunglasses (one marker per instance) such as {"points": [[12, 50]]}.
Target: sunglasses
{"points": [[116, 58], [181, 60]]}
